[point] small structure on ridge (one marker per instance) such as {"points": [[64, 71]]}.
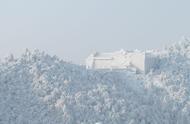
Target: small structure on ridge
{"points": [[142, 62]]}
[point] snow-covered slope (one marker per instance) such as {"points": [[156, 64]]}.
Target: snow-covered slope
{"points": [[39, 89]]}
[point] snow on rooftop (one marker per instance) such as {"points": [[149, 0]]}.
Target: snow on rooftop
{"points": [[143, 61]]}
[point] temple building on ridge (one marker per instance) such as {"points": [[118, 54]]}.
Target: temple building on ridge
{"points": [[143, 62]]}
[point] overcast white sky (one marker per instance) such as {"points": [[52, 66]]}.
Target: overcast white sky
{"points": [[72, 29]]}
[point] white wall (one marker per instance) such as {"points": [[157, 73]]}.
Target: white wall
{"points": [[142, 61], [138, 61], [116, 61]]}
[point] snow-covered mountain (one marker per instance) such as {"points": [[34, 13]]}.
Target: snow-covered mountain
{"points": [[40, 89]]}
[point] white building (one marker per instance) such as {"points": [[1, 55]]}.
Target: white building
{"points": [[142, 61]]}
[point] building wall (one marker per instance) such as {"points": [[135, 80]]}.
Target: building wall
{"points": [[150, 62], [138, 61], [115, 61], [142, 61]]}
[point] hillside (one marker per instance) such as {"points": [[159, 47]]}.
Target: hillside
{"points": [[40, 89]]}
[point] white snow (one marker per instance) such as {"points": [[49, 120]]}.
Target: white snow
{"points": [[142, 61], [39, 89]]}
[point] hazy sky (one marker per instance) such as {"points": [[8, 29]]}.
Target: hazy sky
{"points": [[72, 29]]}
